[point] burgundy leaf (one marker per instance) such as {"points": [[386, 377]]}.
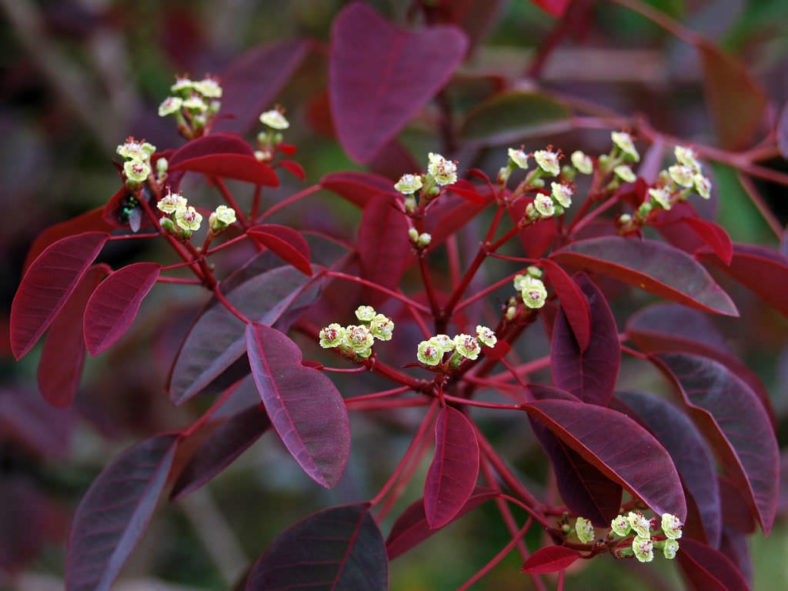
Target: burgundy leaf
{"points": [[63, 355], [114, 513], [499, 351], [467, 190], [31, 424], [763, 270], [231, 166], [47, 285], [690, 454], [589, 374], [357, 187], [380, 75], [573, 302], [550, 559], [383, 243], [338, 549], [220, 448], [454, 469], [535, 238], [449, 214], [707, 569], [252, 81], [411, 527], [734, 546], [736, 513], [734, 422], [303, 404], [286, 243], [115, 303], [643, 466], [654, 266], [216, 341], [393, 160], [714, 236], [293, 168], [210, 145], [555, 8]]}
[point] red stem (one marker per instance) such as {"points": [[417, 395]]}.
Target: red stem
{"points": [[242, 219], [289, 201], [377, 395], [398, 296]]}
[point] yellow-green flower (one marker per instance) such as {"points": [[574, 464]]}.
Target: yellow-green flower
{"points": [[548, 162], [671, 526], [332, 335], [467, 346], [408, 184], [585, 530], [188, 219], [365, 313], [274, 119], [443, 171], [623, 142], [518, 157], [582, 162], [429, 352], [171, 203], [625, 173], [486, 336], [381, 327], [643, 549]]}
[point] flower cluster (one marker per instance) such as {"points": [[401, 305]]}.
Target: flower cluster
{"points": [[193, 103], [180, 217], [136, 165], [462, 346], [440, 173], [643, 541], [356, 340], [531, 288], [267, 140]]}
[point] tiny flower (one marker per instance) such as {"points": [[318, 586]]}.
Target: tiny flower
{"points": [[671, 526], [533, 292], [548, 162], [413, 235], [208, 87], [544, 205], [640, 524], [585, 530], [182, 85], [358, 339], [669, 549], [167, 224], [188, 219], [486, 336], [381, 327], [623, 142], [660, 196], [687, 157], [467, 346], [161, 167], [682, 175], [444, 342], [625, 219], [519, 157], [429, 352], [195, 104], [365, 313], [136, 170], [643, 549], [221, 218], [702, 186], [408, 184], [274, 119], [582, 162], [562, 194], [332, 336], [534, 271], [134, 150], [620, 525], [518, 282], [424, 240], [170, 105], [443, 171], [625, 173], [171, 203]]}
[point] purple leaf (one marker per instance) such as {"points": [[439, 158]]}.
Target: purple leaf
{"points": [[654, 266], [380, 76], [303, 404], [574, 304], [286, 243], [690, 454], [338, 549], [47, 285], [643, 467], [707, 569], [114, 513], [115, 303], [383, 244], [589, 374], [411, 527], [454, 469], [449, 214], [734, 422], [550, 559], [357, 187]]}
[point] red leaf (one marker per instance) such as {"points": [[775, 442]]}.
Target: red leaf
{"points": [[303, 404], [535, 238], [708, 569], [573, 303], [411, 528], [499, 351], [374, 92], [729, 414], [47, 285], [714, 236], [286, 243], [209, 145], [115, 303], [555, 8], [115, 511], [467, 190], [454, 469], [63, 355], [589, 374], [357, 187], [550, 559], [654, 266], [293, 168], [384, 248], [642, 466], [231, 166], [447, 215], [339, 549], [761, 269]]}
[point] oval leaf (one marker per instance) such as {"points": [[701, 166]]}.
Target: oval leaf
{"points": [[303, 404], [643, 466], [708, 569], [115, 303], [573, 302], [47, 285], [550, 559], [729, 414], [383, 245], [589, 374], [654, 266], [375, 92], [714, 236], [339, 549], [114, 513], [285, 243], [454, 469]]}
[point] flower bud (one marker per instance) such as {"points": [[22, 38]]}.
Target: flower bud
{"points": [[585, 530], [424, 240], [413, 235], [167, 225]]}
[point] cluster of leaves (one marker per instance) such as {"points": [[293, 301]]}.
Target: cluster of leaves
{"points": [[710, 448]]}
